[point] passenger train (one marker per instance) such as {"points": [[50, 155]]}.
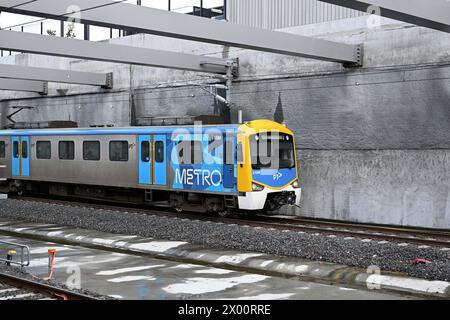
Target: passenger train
{"points": [[221, 169]]}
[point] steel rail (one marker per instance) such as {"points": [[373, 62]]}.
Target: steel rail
{"points": [[52, 291]]}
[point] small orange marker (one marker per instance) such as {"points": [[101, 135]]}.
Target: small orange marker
{"points": [[51, 261]]}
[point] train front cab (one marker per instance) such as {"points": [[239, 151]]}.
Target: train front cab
{"points": [[262, 184]]}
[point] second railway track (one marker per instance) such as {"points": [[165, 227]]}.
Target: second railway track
{"points": [[13, 287]]}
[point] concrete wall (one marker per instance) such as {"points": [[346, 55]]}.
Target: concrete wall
{"points": [[374, 142], [404, 187]]}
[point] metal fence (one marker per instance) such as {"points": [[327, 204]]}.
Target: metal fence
{"points": [[8, 258]]}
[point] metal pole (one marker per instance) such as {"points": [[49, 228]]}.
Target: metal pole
{"points": [[229, 84], [62, 29], [225, 10], [87, 35]]}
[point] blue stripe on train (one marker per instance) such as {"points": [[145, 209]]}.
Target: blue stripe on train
{"points": [[274, 178]]}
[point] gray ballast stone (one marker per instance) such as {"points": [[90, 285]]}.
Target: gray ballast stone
{"points": [[20, 273], [246, 261], [386, 256]]}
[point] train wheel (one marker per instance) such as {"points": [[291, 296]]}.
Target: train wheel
{"points": [[179, 209], [225, 213]]}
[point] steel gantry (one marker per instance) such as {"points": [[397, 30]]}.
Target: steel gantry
{"points": [[102, 51], [55, 75], [434, 14], [24, 85], [134, 18]]}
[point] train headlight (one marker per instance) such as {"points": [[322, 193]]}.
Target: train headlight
{"points": [[257, 187], [296, 184]]}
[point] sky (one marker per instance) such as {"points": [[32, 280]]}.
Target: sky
{"points": [[33, 24]]}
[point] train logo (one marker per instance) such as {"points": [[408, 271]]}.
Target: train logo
{"points": [[197, 177], [277, 176]]}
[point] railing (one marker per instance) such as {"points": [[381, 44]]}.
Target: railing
{"points": [[24, 254]]}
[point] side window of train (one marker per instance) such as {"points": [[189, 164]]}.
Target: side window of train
{"points": [[159, 151], [118, 151], [16, 149], [196, 152], [2, 149], [43, 150], [66, 150], [91, 150], [190, 152], [240, 153], [145, 151], [24, 149]]}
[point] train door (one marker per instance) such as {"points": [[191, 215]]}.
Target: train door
{"points": [[160, 160], [153, 160], [20, 156], [145, 160], [228, 166]]}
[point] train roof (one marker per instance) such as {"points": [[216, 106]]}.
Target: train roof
{"points": [[247, 128], [113, 131]]}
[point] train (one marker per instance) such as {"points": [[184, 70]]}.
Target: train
{"points": [[221, 169]]}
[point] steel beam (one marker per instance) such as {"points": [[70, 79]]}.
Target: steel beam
{"points": [[162, 23], [24, 85], [102, 51], [434, 14], [55, 75]]}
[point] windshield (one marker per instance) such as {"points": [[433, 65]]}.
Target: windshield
{"points": [[272, 150]]}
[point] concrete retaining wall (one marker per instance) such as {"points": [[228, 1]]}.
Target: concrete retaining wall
{"points": [[400, 187], [374, 141]]}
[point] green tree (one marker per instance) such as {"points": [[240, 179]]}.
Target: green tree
{"points": [[71, 31], [51, 32]]}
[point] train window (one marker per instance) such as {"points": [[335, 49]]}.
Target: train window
{"points": [[16, 149], [66, 150], [240, 153], [24, 149], [145, 151], [190, 152], [159, 151], [2, 149], [118, 151], [272, 151], [91, 150], [43, 150], [215, 145], [229, 152], [197, 152]]}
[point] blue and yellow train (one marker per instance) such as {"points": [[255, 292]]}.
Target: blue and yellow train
{"points": [[221, 169]]}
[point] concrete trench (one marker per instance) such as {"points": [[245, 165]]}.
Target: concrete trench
{"points": [[373, 142]]}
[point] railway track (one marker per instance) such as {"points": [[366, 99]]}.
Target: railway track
{"points": [[421, 236], [16, 288]]}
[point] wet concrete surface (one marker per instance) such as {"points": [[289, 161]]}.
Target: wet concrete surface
{"points": [[128, 276]]}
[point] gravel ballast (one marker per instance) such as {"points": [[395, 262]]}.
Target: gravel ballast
{"points": [[319, 247]]}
